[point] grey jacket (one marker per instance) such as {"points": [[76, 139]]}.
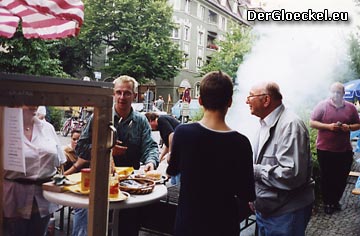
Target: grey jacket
{"points": [[283, 167]]}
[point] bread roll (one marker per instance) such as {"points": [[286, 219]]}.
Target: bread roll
{"points": [[153, 174]]}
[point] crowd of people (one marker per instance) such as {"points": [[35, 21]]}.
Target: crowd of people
{"points": [[270, 175]]}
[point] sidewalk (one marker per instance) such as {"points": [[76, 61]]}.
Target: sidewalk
{"points": [[345, 222]]}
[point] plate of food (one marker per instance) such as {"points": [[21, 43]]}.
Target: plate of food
{"points": [[137, 185], [76, 188], [153, 175], [122, 196]]}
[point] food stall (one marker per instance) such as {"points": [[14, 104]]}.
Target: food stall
{"points": [[17, 90]]}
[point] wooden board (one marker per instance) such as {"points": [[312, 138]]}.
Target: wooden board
{"points": [[354, 173], [356, 191], [50, 186]]}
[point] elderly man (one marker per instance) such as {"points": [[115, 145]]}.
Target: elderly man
{"points": [[135, 145], [282, 165]]}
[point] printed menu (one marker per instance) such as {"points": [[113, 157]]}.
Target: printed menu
{"points": [[14, 158]]}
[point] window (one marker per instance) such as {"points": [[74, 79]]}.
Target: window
{"points": [[175, 33], [201, 38], [186, 61], [107, 56], [223, 23], [201, 12], [199, 59], [186, 33], [177, 4], [187, 6], [212, 17], [186, 56], [197, 90], [199, 62], [211, 40], [208, 59]]}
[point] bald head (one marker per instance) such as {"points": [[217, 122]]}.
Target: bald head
{"points": [[270, 88], [264, 98]]}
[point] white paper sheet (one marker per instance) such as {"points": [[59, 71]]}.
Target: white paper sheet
{"points": [[14, 158]]}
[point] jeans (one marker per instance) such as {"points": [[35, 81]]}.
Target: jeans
{"points": [[175, 180], [80, 222], [293, 223]]}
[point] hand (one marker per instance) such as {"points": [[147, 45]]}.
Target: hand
{"points": [[118, 150], [166, 156], [345, 128], [335, 126], [252, 206], [149, 166]]}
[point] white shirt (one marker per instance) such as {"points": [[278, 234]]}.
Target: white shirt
{"points": [[265, 125], [42, 155]]}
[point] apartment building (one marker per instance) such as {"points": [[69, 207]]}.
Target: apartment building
{"points": [[199, 24]]}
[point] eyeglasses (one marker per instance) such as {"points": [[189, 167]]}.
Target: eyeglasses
{"points": [[256, 95], [75, 139]]}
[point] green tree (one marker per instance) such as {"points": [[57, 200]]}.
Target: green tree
{"points": [[237, 43], [29, 56], [137, 34], [74, 54], [354, 51]]}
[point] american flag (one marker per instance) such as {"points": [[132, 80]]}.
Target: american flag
{"points": [[45, 19]]}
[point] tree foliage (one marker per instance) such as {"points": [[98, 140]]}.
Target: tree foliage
{"points": [[354, 51], [29, 56], [137, 34], [237, 43]]}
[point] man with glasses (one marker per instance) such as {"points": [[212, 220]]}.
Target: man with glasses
{"points": [[135, 146], [334, 118], [282, 165]]}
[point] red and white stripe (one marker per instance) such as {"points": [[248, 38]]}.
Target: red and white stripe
{"points": [[8, 23], [46, 19]]}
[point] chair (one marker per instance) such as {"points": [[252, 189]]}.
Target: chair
{"points": [[62, 218]]}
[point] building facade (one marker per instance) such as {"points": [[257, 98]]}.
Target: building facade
{"points": [[199, 24]]}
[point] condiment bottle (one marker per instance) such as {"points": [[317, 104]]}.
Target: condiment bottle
{"points": [[85, 180]]}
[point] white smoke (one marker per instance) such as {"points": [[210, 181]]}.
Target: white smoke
{"points": [[303, 58]]}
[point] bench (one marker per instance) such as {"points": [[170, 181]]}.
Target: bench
{"points": [[354, 174], [356, 191]]}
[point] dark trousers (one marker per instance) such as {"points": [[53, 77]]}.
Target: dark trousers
{"points": [[130, 221], [334, 170]]}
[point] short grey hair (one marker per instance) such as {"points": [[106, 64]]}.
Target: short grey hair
{"points": [[127, 79]]}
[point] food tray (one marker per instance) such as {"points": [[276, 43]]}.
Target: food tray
{"points": [[162, 179], [137, 185]]}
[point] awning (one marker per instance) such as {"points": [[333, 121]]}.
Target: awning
{"points": [[352, 90], [45, 19], [185, 84]]}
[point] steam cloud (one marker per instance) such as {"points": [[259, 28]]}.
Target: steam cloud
{"points": [[303, 58]]}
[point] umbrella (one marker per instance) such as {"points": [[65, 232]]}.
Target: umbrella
{"points": [[45, 19], [352, 90]]}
